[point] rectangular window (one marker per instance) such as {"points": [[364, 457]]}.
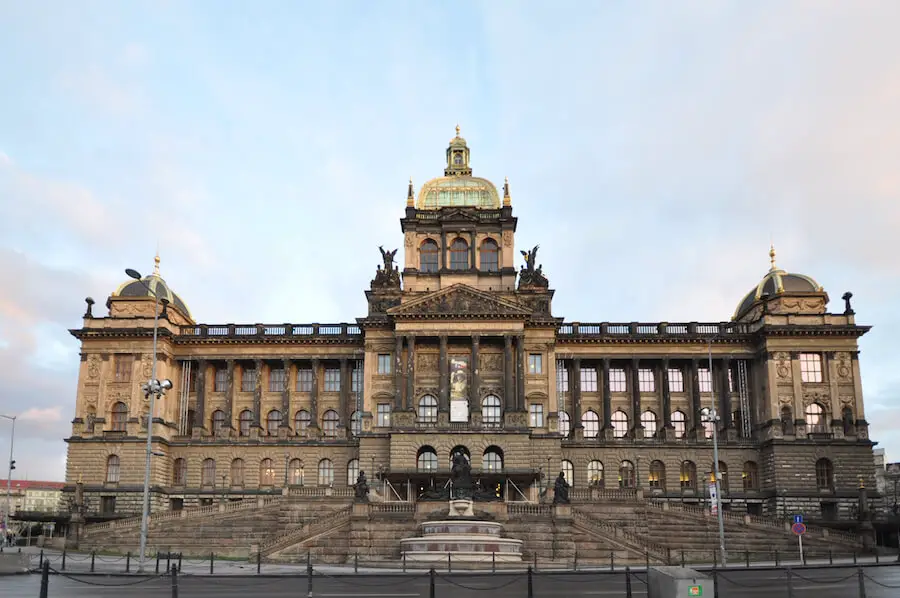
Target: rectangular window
{"points": [[356, 380], [562, 377], [810, 367], [617, 380], [384, 415], [221, 380], [384, 363], [646, 381], [277, 380], [332, 379], [536, 415], [589, 380], [123, 367], [676, 380], [248, 380], [535, 363], [730, 380], [705, 379], [304, 380]]}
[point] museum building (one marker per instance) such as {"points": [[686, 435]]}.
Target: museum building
{"points": [[460, 351]]}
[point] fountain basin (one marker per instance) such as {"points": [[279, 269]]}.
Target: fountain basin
{"points": [[436, 547]]}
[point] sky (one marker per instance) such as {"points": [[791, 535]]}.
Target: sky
{"points": [[654, 150]]}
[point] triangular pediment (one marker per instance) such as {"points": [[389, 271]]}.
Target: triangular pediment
{"points": [[459, 214], [460, 300]]}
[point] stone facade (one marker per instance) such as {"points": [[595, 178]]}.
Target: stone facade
{"points": [[459, 349]]}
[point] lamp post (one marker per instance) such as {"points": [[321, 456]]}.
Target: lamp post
{"points": [[12, 465], [714, 417], [152, 389]]}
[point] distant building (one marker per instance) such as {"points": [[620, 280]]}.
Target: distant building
{"points": [[31, 495]]}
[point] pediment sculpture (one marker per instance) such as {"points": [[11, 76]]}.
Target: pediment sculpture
{"points": [[389, 276], [529, 275], [459, 300]]}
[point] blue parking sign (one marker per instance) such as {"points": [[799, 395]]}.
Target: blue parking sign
{"points": [[798, 518]]}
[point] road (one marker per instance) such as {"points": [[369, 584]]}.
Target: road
{"points": [[835, 582]]}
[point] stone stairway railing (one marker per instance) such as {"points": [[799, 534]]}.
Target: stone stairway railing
{"points": [[315, 527], [631, 540], [228, 507], [769, 523]]}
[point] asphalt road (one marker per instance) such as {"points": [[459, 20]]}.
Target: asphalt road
{"points": [[836, 582]]}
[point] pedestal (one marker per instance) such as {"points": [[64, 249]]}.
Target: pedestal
{"points": [[461, 508]]}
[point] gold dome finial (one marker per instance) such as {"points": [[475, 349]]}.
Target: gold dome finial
{"points": [[457, 129], [506, 198], [410, 195], [156, 264], [772, 256]]}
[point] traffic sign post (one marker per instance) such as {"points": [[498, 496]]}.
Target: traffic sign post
{"points": [[798, 518], [799, 528]]}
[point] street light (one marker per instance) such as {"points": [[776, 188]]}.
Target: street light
{"points": [[714, 417], [152, 389], [12, 465]]}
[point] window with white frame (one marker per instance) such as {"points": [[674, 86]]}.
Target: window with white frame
{"points": [[648, 421], [383, 415], [535, 363], [646, 380], [332, 380], [536, 415], [705, 379], [679, 422], [304, 380], [384, 364], [589, 380], [620, 424], [810, 367], [617, 380], [590, 421], [676, 380], [564, 424]]}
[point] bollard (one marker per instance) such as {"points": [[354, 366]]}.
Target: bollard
{"points": [[854, 557], [157, 562], [174, 581], [449, 564], [45, 577], [128, 562], [535, 560], [168, 561], [715, 558], [668, 556], [404, 562], [682, 558], [776, 558], [41, 559], [611, 561], [576, 560], [309, 575], [647, 561], [862, 582], [715, 584], [877, 557], [790, 583], [628, 582], [93, 556], [431, 583], [63, 568], [530, 586], [258, 561], [747, 557], [212, 560], [179, 562], [830, 557], [356, 562], [494, 561]]}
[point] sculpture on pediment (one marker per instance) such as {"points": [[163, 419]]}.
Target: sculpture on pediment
{"points": [[389, 276], [529, 275]]}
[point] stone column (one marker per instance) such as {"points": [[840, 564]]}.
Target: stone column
{"points": [[398, 374], [344, 401], [636, 427], [286, 395], [443, 264], [725, 395], [575, 385], [410, 372], [200, 412], [444, 384], [666, 396], [472, 263], [229, 394], [508, 383], [257, 394], [520, 378], [696, 406], [607, 398], [314, 396], [474, 398]]}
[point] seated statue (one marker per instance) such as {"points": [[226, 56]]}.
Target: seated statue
{"points": [[361, 487], [461, 477], [561, 490]]}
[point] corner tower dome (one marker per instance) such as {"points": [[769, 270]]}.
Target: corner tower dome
{"points": [[458, 188], [133, 289], [775, 283]]}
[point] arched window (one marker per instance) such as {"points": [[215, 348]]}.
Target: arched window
{"points": [[237, 473], [568, 471], [119, 417], [179, 472], [564, 424], [426, 460], [266, 473], [626, 475], [301, 421], [208, 472], [620, 424], [218, 421], [688, 475], [824, 474], [815, 419], [428, 409], [648, 420], [490, 256], [326, 473], [787, 420], [679, 422], [657, 476], [723, 473], [595, 473], [296, 472], [429, 256], [847, 420], [356, 423], [459, 255], [490, 411], [330, 421], [352, 471], [492, 460], [591, 422], [245, 421], [112, 469], [750, 476], [707, 422], [273, 421]]}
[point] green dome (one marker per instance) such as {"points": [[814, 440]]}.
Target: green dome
{"points": [[461, 191]]}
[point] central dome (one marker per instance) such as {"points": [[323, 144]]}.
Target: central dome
{"points": [[458, 188]]}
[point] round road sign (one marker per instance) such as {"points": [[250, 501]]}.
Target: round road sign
{"points": [[799, 528]]}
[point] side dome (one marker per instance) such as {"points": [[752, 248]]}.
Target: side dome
{"points": [[151, 287], [777, 282]]}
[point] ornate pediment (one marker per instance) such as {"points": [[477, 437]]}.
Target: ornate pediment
{"points": [[459, 214], [460, 300]]}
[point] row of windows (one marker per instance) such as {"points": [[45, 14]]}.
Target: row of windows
{"points": [[429, 255], [278, 380], [329, 425], [491, 459]]}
